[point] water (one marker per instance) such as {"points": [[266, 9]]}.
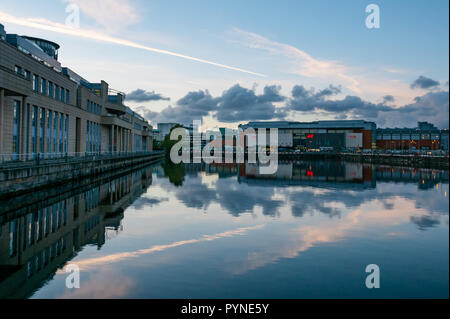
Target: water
{"points": [[224, 231]]}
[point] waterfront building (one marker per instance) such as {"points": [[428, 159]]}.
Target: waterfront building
{"points": [[336, 135], [49, 110], [424, 137], [354, 134]]}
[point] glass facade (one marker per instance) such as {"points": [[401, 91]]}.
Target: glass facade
{"points": [[34, 119], [55, 133], [49, 131], [61, 131], [41, 130], [16, 128]]}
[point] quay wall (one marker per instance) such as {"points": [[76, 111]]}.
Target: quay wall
{"points": [[30, 177]]}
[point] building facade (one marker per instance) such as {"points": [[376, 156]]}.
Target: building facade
{"points": [[50, 110], [336, 135], [424, 137]]}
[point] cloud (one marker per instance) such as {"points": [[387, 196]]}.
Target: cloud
{"points": [[301, 62], [140, 95], [234, 105], [43, 24], [241, 104], [424, 83], [388, 98], [111, 14]]}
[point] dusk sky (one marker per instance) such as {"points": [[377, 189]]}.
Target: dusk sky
{"points": [[231, 62]]}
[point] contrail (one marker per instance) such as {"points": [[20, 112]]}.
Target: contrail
{"points": [[60, 28]]}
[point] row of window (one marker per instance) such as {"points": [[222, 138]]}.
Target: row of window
{"points": [[407, 137], [50, 138], [93, 137], [42, 259], [50, 89], [94, 107], [45, 87], [37, 225]]}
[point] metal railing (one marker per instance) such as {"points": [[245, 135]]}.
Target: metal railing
{"points": [[33, 159]]}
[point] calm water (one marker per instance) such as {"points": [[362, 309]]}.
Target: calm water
{"points": [[201, 231]]}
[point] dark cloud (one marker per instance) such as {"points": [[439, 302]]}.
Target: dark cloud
{"points": [[148, 202], [241, 104], [304, 100], [424, 83], [193, 106], [140, 95], [432, 107], [388, 98]]}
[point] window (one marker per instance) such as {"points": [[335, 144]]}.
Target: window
{"points": [[87, 136], [62, 94], [57, 92], [28, 75], [34, 116], [55, 133], [50, 89], [49, 131], [35, 83], [27, 131], [66, 137], [44, 87], [61, 130], [41, 130], [16, 128], [19, 70], [67, 96]]}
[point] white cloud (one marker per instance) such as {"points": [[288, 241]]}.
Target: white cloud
{"points": [[301, 62], [113, 15], [43, 24]]}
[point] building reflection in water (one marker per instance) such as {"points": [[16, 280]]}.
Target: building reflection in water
{"points": [[41, 238]]}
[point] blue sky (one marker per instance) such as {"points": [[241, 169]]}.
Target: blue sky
{"points": [[313, 44]]}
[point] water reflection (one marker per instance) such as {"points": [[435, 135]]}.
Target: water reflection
{"points": [[225, 231], [48, 234]]}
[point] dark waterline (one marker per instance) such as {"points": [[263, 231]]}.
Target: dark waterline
{"points": [[225, 231]]}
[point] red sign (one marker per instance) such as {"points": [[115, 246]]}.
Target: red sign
{"points": [[310, 136]]}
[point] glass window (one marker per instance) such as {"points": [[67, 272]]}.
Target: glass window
{"points": [[62, 94], [61, 130], [66, 136], [28, 75], [50, 89], [57, 92], [55, 133], [44, 87], [49, 131], [67, 96], [34, 117], [41, 130], [35, 83], [16, 127]]}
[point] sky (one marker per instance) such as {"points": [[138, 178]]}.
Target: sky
{"points": [[230, 62]]}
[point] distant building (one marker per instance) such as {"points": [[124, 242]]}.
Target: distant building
{"points": [[337, 135], [424, 137], [50, 110]]}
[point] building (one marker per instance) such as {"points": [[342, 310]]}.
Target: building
{"points": [[424, 137], [335, 135], [50, 110]]}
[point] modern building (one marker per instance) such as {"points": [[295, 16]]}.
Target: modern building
{"points": [[50, 110], [424, 137], [336, 135]]}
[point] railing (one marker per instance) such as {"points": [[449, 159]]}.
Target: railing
{"points": [[33, 159]]}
